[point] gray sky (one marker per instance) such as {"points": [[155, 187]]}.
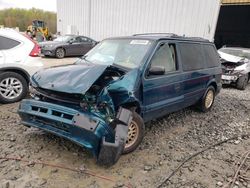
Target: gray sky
{"points": [[49, 5]]}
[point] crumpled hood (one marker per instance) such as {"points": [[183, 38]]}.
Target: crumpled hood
{"points": [[230, 58], [76, 78]]}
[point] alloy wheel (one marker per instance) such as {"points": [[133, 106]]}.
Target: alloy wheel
{"points": [[11, 88], [60, 53], [133, 133], [209, 99]]}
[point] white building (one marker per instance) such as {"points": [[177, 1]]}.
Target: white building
{"points": [[100, 19]]}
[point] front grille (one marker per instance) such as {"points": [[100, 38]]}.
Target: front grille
{"points": [[60, 96], [53, 112], [49, 121]]}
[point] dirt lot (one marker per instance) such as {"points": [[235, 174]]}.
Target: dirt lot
{"points": [[168, 141]]}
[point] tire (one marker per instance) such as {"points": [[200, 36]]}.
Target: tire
{"points": [[13, 87], [60, 53], [136, 131], [207, 101], [242, 82]]}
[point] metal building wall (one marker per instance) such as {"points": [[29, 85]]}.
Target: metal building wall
{"points": [[73, 13], [105, 18]]}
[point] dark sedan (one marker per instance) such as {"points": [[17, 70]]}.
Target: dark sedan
{"points": [[67, 45]]}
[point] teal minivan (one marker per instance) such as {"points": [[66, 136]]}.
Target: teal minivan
{"points": [[103, 100]]}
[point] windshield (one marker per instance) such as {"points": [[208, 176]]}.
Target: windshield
{"points": [[124, 52], [236, 52], [63, 38]]}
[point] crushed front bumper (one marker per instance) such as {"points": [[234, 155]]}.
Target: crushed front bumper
{"points": [[85, 129], [228, 79]]}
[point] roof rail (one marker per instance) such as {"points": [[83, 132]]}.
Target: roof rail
{"points": [[197, 38], [163, 34]]}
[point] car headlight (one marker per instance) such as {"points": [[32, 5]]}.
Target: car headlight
{"points": [[49, 46], [33, 93], [32, 90]]}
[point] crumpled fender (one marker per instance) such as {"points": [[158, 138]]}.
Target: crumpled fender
{"points": [[124, 90]]}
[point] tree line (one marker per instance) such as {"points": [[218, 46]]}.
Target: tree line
{"points": [[22, 18]]}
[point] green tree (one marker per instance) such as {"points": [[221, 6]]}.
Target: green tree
{"points": [[22, 18]]}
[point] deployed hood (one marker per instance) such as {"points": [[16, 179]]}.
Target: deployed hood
{"points": [[77, 78], [230, 58]]}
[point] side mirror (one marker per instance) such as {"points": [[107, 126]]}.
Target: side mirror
{"points": [[156, 70]]}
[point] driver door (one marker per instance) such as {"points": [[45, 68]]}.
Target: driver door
{"points": [[163, 93]]}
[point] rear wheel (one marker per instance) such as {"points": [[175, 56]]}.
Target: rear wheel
{"points": [[242, 82], [13, 87], [60, 53], [207, 100], [135, 133]]}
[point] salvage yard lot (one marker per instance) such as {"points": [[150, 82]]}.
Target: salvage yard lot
{"points": [[167, 142]]}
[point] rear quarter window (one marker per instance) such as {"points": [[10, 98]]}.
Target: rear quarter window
{"points": [[7, 43], [211, 56], [192, 56]]}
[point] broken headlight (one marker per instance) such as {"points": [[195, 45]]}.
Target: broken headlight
{"points": [[33, 93]]}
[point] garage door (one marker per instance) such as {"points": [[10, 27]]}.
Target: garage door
{"points": [[233, 27]]}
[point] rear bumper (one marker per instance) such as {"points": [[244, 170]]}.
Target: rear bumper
{"points": [[85, 129]]}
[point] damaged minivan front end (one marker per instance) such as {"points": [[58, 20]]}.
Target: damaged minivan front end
{"points": [[86, 103]]}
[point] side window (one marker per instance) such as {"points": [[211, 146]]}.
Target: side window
{"points": [[211, 56], [77, 39], [84, 39], [165, 56], [7, 43], [191, 56]]}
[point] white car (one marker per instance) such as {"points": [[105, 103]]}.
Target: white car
{"points": [[18, 61], [235, 66]]}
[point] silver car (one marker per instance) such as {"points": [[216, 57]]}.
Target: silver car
{"points": [[235, 66]]}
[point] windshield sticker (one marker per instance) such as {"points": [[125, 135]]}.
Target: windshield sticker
{"points": [[140, 42]]}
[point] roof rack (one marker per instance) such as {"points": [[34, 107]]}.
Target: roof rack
{"points": [[157, 34], [173, 35], [197, 38]]}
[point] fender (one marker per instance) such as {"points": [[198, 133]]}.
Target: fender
{"points": [[21, 71]]}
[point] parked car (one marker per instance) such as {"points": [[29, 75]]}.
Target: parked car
{"points": [[235, 66], [18, 61], [103, 100], [67, 45]]}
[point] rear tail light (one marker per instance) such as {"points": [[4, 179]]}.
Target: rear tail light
{"points": [[35, 51]]}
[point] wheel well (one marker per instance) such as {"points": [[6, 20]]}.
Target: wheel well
{"points": [[21, 72], [214, 85], [133, 105]]}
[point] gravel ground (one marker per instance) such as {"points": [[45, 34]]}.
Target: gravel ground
{"points": [[167, 142]]}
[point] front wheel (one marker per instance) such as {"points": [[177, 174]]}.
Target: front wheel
{"points": [[60, 53], [13, 87], [207, 100], [135, 133], [242, 82]]}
